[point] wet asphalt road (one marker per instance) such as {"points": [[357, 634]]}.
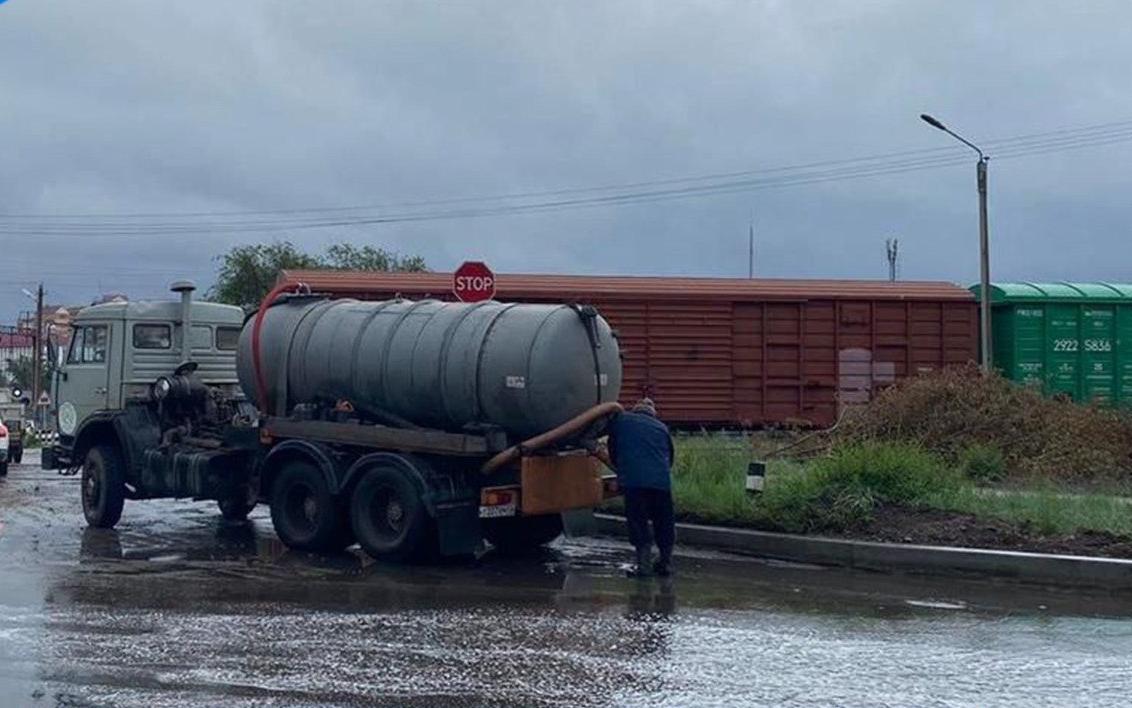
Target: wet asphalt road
{"points": [[177, 608]]}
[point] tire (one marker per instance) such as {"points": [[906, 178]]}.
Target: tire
{"points": [[3, 469], [389, 518], [306, 516], [103, 486], [519, 535], [237, 506]]}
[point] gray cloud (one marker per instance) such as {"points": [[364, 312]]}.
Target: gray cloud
{"points": [[131, 105]]}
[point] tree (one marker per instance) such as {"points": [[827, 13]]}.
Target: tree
{"points": [[346, 256], [247, 273], [21, 371]]}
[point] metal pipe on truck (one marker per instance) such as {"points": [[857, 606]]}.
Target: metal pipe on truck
{"points": [[525, 368]]}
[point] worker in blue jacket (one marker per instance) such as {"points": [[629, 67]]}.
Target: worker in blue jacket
{"points": [[641, 450]]}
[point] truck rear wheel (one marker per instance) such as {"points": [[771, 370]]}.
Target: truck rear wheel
{"points": [[389, 518], [515, 535], [306, 516], [103, 486]]}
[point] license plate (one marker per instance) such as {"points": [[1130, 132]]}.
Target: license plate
{"points": [[492, 512]]}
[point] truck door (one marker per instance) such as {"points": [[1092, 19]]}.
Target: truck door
{"points": [[85, 384]]}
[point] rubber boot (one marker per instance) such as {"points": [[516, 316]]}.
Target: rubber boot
{"points": [[643, 568], [663, 566]]}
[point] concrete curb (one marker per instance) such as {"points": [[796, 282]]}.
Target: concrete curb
{"points": [[1108, 573]]}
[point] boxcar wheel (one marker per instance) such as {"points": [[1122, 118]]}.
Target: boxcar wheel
{"points": [[306, 516], [389, 518], [516, 535], [103, 486]]}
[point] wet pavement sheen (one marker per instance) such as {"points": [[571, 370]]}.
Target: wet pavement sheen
{"points": [[176, 607]]}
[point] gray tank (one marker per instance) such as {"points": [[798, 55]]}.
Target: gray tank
{"points": [[525, 368]]}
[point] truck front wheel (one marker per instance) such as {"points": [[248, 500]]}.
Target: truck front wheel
{"points": [[516, 535], [305, 514], [389, 517], [103, 485]]}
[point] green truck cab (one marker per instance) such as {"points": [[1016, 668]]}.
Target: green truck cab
{"points": [[114, 424]]}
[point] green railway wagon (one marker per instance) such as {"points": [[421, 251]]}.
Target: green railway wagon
{"points": [[1071, 339]]}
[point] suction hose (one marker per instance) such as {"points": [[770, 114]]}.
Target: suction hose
{"points": [[571, 427]]}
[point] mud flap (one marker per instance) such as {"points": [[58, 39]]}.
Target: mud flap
{"points": [[458, 527]]}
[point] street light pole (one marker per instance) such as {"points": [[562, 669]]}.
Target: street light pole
{"points": [[985, 343]]}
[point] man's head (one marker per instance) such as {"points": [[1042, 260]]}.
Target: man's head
{"points": [[646, 406]]}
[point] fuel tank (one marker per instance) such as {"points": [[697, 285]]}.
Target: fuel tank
{"points": [[525, 368]]}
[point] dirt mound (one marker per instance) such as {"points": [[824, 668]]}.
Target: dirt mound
{"points": [[950, 411]]}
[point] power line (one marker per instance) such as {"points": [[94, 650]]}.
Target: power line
{"points": [[856, 168], [991, 143]]}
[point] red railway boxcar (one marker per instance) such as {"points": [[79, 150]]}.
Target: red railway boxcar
{"points": [[732, 352]]}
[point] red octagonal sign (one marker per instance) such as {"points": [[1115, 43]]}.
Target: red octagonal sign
{"points": [[473, 281]]}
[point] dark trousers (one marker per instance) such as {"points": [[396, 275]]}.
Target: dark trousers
{"points": [[644, 506]]}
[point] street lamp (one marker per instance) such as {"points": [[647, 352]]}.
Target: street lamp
{"points": [[984, 245]]}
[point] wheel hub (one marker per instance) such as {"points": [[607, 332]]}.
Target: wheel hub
{"points": [[394, 513], [310, 508]]}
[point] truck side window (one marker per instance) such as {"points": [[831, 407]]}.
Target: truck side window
{"points": [[75, 356], [227, 338], [94, 344], [153, 336]]}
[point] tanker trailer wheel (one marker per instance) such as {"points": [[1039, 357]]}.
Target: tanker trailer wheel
{"points": [[518, 535], [306, 516], [103, 486], [389, 518]]}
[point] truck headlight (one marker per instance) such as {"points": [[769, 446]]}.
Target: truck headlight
{"points": [[161, 388]]}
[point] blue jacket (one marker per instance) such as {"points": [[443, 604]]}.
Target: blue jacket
{"points": [[642, 452]]}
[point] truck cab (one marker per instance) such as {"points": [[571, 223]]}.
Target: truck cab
{"points": [[119, 349], [108, 391]]}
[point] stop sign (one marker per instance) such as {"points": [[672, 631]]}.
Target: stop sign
{"points": [[473, 281]]}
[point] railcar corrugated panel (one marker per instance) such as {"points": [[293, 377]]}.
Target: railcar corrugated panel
{"points": [[746, 353]]}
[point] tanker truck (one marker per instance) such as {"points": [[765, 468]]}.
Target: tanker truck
{"points": [[413, 428]]}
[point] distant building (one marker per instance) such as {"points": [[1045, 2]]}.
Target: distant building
{"points": [[56, 321]]}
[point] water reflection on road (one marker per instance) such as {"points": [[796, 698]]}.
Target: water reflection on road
{"points": [[177, 607]]}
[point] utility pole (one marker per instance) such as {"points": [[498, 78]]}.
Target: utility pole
{"points": [[37, 362], [984, 269], [751, 250], [986, 359], [891, 248]]}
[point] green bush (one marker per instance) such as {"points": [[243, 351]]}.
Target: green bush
{"points": [[841, 490], [983, 463]]}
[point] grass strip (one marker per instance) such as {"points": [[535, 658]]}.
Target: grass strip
{"points": [[840, 491]]}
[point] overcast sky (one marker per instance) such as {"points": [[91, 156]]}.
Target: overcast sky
{"points": [[127, 106]]}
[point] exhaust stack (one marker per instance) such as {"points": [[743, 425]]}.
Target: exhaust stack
{"points": [[185, 288]]}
